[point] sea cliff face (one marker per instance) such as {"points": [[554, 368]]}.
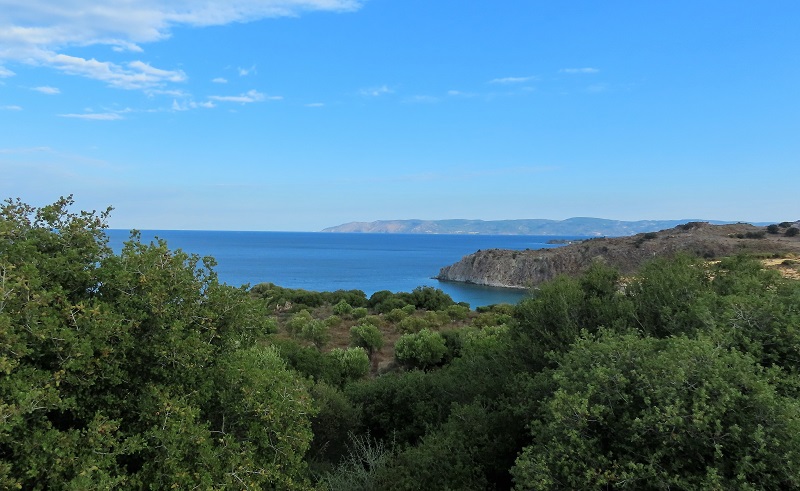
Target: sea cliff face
{"points": [[527, 269]]}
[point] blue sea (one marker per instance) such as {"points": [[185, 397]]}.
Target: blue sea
{"points": [[339, 261]]}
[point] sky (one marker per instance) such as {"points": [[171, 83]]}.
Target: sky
{"points": [[298, 115]]}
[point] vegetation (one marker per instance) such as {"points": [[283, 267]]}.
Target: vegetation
{"points": [[139, 370]]}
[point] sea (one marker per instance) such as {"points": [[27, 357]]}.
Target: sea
{"points": [[323, 261]]}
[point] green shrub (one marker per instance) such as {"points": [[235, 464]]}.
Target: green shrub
{"points": [[342, 308], [360, 313], [420, 350], [773, 229], [366, 336], [791, 232], [396, 315], [412, 324]]}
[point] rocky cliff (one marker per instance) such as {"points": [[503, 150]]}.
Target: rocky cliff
{"points": [[526, 269]]}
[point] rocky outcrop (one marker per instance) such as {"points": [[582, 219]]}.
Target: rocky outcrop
{"points": [[529, 268]]}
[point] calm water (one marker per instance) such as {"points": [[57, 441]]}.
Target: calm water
{"points": [[330, 261]]}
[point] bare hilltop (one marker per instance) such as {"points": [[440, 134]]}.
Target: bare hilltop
{"points": [[778, 245]]}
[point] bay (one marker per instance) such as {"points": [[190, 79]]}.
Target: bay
{"points": [[343, 261]]}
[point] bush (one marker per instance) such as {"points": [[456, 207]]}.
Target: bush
{"points": [[351, 363], [421, 350], [396, 315], [791, 232], [366, 336], [773, 229], [360, 313], [342, 308], [413, 324]]}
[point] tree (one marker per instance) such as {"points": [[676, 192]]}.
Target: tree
{"points": [[368, 337], [128, 371], [650, 413]]}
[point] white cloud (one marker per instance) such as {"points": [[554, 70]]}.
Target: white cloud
{"points": [[513, 80], [137, 75], [459, 93], [315, 104], [248, 97], [376, 91], [47, 90], [220, 80], [11, 108], [94, 116], [185, 106], [5, 72], [39, 32], [586, 70]]}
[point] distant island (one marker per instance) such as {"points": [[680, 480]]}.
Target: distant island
{"points": [[578, 226]]}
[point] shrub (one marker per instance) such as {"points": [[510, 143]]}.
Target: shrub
{"points": [[342, 308], [792, 231], [333, 321], [366, 336], [351, 363], [396, 315], [412, 324], [360, 313], [421, 350], [773, 229]]}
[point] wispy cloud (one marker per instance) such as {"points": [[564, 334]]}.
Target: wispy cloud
{"points": [[243, 72], [188, 105], [460, 93], [585, 71], [47, 90], [39, 32], [220, 80], [246, 98], [513, 80], [315, 104], [11, 108], [135, 75], [95, 116], [376, 91], [5, 72]]}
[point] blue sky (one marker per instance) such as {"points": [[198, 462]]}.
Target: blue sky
{"points": [[303, 114]]}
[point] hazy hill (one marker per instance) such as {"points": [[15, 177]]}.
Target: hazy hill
{"points": [[597, 227]]}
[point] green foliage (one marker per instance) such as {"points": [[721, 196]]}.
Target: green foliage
{"points": [[791, 232], [333, 321], [429, 298], [317, 332], [423, 349], [349, 364], [366, 336], [361, 468], [342, 308], [385, 301], [298, 321], [127, 371], [656, 414], [396, 315], [413, 324], [457, 312], [773, 229], [360, 313]]}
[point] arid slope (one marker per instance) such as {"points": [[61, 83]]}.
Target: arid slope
{"points": [[526, 269]]}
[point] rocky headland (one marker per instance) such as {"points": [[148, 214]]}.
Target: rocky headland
{"points": [[529, 268]]}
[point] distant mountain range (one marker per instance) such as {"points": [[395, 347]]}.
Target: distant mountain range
{"points": [[596, 227]]}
